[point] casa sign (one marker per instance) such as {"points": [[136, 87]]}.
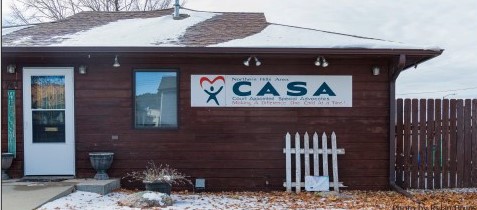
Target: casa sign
{"points": [[271, 91]]}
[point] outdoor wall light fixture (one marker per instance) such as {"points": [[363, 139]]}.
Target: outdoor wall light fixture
{"points": [[257, 62], [11, 68], [376, 71], [247, 61], [116, 62], [82, 69], [321, 61]]}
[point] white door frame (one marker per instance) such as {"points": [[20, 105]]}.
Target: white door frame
{"points": [[49, 158]]}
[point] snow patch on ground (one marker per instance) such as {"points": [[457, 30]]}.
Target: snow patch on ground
{"points": [[159, 31], [280, 36], [92, 201], [87, 201], [153, 196]]}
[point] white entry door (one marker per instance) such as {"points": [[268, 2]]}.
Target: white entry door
{"points": [[48, 116]]}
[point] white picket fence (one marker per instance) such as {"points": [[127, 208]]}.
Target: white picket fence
{"points": [[307, 151]]}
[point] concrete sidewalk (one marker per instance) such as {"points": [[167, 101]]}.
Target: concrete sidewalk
{"points": [[31, 195]]}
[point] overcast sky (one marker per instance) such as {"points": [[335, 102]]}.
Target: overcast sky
{"points": [[448, 24]]}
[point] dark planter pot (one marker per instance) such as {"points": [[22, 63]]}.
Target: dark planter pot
{"points": [[162, 187], [101, 161], [7, 159]]}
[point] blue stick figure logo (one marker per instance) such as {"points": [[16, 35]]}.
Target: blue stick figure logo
{"points": [[213, 95], [212, 92]]}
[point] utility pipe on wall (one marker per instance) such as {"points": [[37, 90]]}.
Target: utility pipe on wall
{"points": [[177, 6]]}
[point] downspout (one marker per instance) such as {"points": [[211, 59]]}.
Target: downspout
{"points": [[392, 128]]}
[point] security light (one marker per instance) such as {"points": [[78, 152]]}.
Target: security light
{"points": [[325, 63], [317, 62], [116, 62], [321, 61], [11, 68], [257, 62], [82, 69], [376, 71], [247, 62]]}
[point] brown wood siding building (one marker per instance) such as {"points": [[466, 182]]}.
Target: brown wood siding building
{"points": [[232, 148]]}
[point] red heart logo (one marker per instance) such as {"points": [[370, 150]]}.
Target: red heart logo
{"points": [[203, 79]]}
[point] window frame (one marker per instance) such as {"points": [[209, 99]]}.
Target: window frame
{"points": [[161, 69]]}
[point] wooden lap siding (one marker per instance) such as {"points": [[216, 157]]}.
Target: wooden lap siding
{"points": [[232, 148]]}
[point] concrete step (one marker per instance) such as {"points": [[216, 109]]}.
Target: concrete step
{"points": [[97, 186]]}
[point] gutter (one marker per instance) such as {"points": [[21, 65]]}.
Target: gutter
{"points": [[401, 66], [223, 50]]}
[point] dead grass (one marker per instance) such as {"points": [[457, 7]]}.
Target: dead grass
{"points": [[352, 199]]}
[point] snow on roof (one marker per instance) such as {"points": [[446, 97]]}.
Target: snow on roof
{"points": [[199, 29], [283, 36], [136, 32], [12, 29]]}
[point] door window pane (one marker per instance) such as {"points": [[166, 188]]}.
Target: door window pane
{"points": [[48, 92], [155, 99], [48, 126]]}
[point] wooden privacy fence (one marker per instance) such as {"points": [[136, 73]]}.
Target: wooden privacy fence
{"points": [[436, 143], [305, 152]]}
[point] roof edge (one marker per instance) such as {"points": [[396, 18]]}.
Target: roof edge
{"points": [[225, 50]]}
